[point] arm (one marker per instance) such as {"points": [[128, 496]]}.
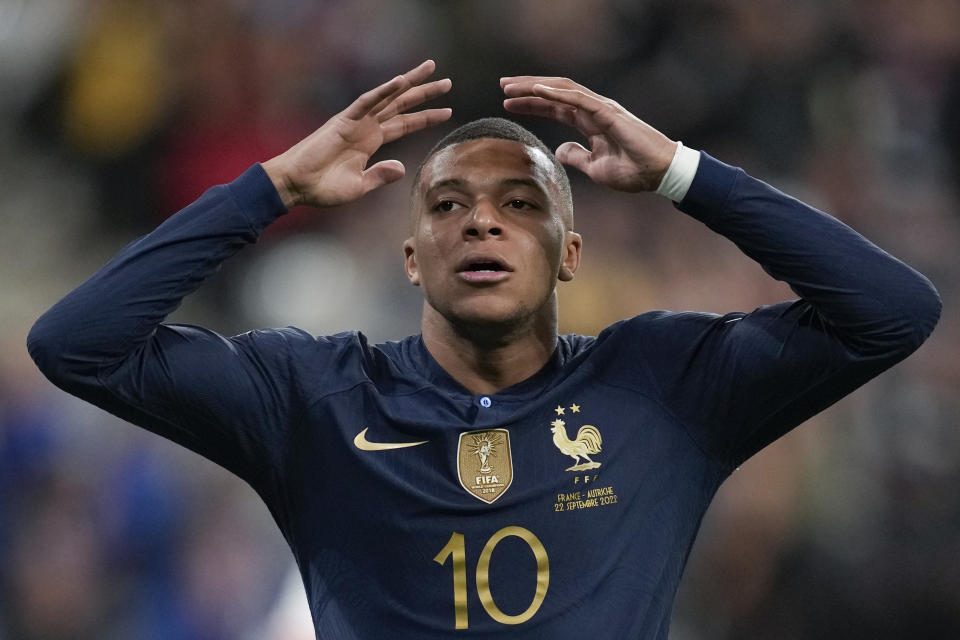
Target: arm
{"points": [[227, 399], [742, 380]]}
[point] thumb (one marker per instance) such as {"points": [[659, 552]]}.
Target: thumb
{"points": [[574, 154], [382, 173]]}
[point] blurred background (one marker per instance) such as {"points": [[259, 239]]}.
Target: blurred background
{"points": [[115, 113]]}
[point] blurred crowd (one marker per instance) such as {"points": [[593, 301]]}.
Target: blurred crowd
{"points": [[115, 113]]}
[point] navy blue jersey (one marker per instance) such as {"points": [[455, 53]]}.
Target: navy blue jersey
{"points": [[564, 505]]}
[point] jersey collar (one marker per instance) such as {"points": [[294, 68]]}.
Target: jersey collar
{"points": [[424, 362]]}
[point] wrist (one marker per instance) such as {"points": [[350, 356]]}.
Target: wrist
{"points": [[276, 171], [679, 176]]}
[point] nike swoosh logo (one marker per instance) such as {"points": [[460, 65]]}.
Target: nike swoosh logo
{"points": [[361, 442]]}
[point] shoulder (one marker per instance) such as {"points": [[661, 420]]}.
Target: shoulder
{"points": [[629, 332], [664, 325], [293, 341], [640, 345], [676, 333], [345, 356], [663, 329]]}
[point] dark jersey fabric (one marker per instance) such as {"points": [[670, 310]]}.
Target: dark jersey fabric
{"points": [[569, 547]]}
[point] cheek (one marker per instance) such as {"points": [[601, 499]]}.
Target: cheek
{"points": [[430, 253], [550, 250], [543, 260]]}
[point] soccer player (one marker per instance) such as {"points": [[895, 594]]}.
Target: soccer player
{"points": [[488, 477]]}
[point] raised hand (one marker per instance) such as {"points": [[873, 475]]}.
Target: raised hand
{"points": [[625, 152], [329, 167]]}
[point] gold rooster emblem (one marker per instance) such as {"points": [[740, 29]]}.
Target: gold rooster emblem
{"points": [[586, 443]]}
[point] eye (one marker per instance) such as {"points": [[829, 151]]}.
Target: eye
{"points": [[517, 203], [445, 206]]}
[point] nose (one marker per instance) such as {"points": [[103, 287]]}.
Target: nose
{"points": [[484, 220]]}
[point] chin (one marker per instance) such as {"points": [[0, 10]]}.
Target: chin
{"points": [[489, 313], [490, 317]]}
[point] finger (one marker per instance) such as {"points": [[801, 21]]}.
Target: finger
{"points": [[543, 108], [575, 155], [400, 125], [414, 97], [531, 80], [572, 97], [516, 86], [367, 101], [371, 99], [384, 172], [410, 79]]}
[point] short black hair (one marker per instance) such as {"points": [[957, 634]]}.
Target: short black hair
{"points": [[502, 129]]}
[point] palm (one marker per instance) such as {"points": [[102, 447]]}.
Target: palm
{"points": [[333, 172], [618, 164], [609, 163], [625, 153], [329, 167]]}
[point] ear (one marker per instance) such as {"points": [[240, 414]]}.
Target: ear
{"points": [[572, 243], [410, 262]]}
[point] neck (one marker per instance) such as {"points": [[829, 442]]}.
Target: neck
{"points": [[487, 358]]}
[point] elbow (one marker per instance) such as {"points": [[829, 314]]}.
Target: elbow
{"points": [[898, 328], [44, 343], [918, 316], [926, 312], [55, 349]]}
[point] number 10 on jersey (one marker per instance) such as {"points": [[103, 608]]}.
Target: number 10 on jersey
{"points": [[456, 547]]}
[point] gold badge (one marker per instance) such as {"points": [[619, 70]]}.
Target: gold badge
{"points": [[484, 463], [586, 444]]}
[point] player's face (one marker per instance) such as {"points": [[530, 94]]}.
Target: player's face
{"points": [[491, 235]]}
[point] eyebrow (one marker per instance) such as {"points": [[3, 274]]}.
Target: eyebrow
{"points": [[457, 182]]}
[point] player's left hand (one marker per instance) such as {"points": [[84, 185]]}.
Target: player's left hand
{"points": [[625, 153]]}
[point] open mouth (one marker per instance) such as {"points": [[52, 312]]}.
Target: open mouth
{"points": [[482, 263], [483, 269], [486, 266]]}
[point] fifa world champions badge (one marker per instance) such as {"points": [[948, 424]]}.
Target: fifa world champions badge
{"points": [[484, 463]]}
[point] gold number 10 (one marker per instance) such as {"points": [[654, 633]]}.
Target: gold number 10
{"points": [[457, 548]]}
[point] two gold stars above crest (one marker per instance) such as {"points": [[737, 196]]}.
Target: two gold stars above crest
{"points": [[587, 442], [574, 408]]}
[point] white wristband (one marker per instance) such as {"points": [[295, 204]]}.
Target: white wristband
{"points": [[679, 176]]}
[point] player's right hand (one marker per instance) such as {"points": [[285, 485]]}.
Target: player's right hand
{"points": [[329, 167]]}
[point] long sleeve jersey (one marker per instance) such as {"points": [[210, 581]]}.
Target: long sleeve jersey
{"points": [[561, 506]]}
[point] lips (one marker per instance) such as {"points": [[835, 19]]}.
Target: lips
{"points": [[483, 262], [483, 268]]}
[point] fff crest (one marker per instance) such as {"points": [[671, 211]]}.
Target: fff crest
{"points": [[484, 463], [588, 441]]}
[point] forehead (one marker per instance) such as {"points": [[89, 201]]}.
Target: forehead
{"points": [[488, 160]]}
